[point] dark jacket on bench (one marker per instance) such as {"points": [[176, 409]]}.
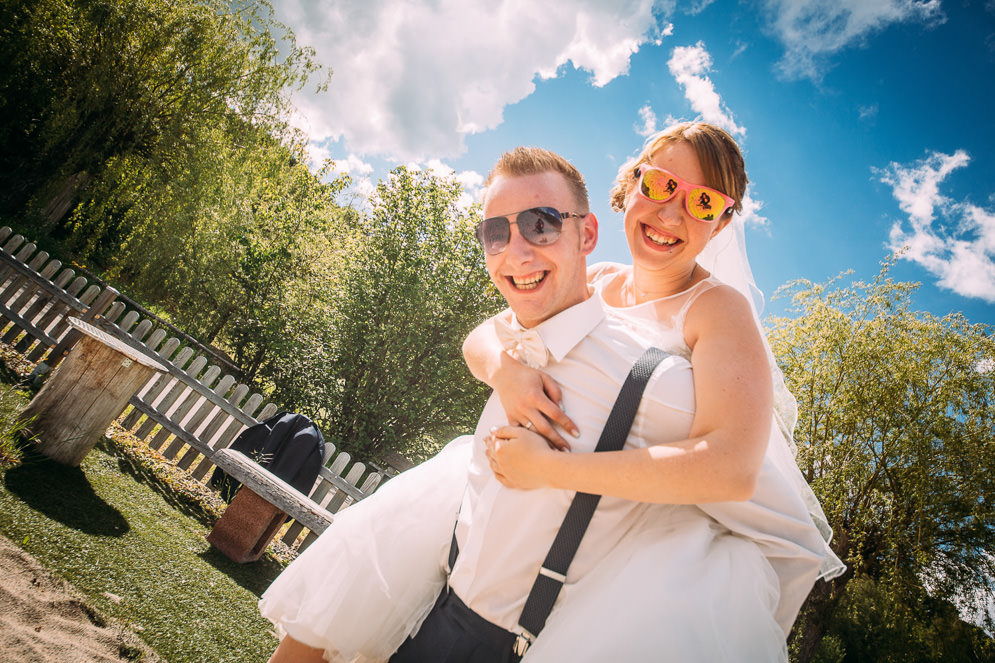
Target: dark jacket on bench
{"points": [[288, 445]]}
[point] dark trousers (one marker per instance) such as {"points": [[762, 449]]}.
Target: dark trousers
{"points": [[452, 633]]}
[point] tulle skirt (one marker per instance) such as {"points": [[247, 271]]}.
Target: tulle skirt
{"points": [[677, 587], [372, 577]]}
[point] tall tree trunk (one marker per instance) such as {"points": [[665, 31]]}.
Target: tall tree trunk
{"points": [[818, 610], [59, 205]]}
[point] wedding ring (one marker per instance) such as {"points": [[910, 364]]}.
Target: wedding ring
{"points": [[528, 425]]}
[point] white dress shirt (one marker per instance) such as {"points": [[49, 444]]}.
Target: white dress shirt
{"points": [[503, 533]]}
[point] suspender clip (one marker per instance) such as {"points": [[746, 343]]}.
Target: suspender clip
{"points": [[522, 643]]}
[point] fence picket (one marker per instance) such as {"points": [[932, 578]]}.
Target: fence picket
{"points": [[214, 415], [114, 312], [165, 402], [37, 309], [184, 406], [194, 419], [13, 243], [158, 386]]}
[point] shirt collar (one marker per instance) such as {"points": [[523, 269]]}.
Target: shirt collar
{"points": [[562, 332]]}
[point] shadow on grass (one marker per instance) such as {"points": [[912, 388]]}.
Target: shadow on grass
{"points": [[11, 377], [255, 577], [63, 494], [146, 476]]}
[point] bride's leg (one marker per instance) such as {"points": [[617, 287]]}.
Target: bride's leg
{"points": [[292, 651]]}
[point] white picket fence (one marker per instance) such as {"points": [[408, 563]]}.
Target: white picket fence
{"points": [[187, 413]]}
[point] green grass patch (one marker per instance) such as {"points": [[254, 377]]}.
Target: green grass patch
{"points": [[118, 526]]}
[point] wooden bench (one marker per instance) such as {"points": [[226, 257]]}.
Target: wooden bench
{"points": [[259, 508]]}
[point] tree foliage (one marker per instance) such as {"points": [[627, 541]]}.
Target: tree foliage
{"points": [[161, 129], [93, 84], [895, 434], [381, 366]]}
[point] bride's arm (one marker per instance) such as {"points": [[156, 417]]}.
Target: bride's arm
{"points": [[722, 457], [526, 394]]}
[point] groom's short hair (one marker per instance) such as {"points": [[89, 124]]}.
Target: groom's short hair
{"points": [[523, 161]]}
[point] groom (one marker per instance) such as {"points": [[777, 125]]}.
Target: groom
{"points": [[536, 235]]}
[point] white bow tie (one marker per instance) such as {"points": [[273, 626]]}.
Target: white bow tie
{"points": [[525, 345]]}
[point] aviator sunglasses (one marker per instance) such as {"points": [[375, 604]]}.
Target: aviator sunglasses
{"points": [[538, 225], [702, 202]]}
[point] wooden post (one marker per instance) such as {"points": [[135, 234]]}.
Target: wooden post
{"points": [[85, 394]]}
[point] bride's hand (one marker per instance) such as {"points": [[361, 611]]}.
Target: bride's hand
{"points": [[531, 398], [514, 454]]}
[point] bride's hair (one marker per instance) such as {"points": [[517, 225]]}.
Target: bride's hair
{"points": [[719, 157]]}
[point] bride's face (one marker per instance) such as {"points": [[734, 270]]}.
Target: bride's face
{"points": [[665, 234]]}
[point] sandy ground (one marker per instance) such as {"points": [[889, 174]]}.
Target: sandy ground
{"points": [[45, 620]]}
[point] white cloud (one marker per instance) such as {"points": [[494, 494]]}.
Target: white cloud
{"points": [[751, 212], [648, 122], [410, 79], [868, 112], [690, 66], [473, 187], [698, 6], [352, 165], [814, 30], [960, 251]]}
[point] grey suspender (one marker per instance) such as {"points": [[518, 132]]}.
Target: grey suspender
{"points": [[553, 573]]}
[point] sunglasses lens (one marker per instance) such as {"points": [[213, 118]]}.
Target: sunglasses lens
{"points": [[657, 185], [705, 204], [540, 226], [494, 234]]}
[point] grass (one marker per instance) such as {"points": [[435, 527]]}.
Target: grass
{"points": [[129, 532]]}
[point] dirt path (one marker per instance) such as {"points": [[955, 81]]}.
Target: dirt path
{"points": [[45, 620]]}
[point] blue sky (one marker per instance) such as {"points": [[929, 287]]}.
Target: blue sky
{"points": [[866, 124]]}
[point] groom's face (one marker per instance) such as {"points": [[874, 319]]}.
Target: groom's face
{"points": [[539, 281]]}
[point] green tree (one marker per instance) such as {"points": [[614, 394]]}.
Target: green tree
{"points": [[93, 84], [895, 434], [380, 364], [167, 122]]}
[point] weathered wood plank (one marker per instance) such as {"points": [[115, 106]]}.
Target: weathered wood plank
{"points": [[42, 300], [274, 490], [23, 325]]}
